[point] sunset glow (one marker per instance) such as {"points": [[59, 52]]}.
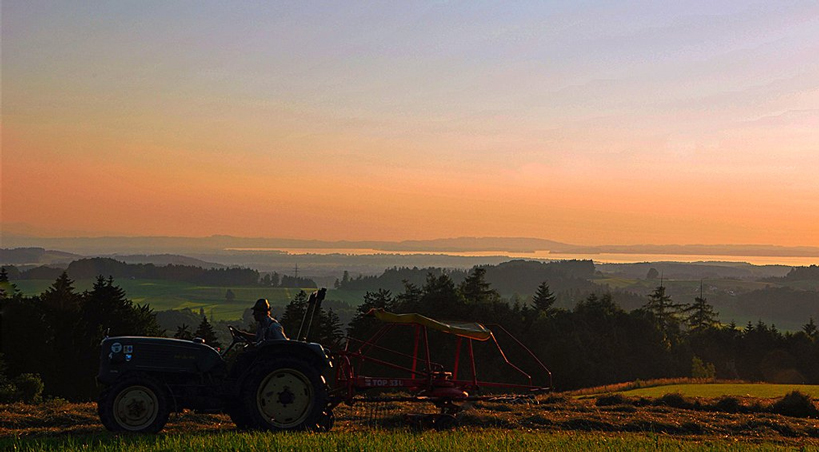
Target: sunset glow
{"points": [[582, 123]]}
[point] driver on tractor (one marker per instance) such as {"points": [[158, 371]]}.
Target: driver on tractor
{"points": [[268, 328]]}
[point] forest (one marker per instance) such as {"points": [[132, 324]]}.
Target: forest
{"points": [[92, 267]]}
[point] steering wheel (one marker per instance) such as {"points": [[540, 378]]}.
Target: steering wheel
{"points": [[237, 336]]}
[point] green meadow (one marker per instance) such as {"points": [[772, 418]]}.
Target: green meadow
{"points": [[711, 390]]}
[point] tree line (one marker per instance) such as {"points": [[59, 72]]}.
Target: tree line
{"points": [[92, 267], [56, 334], [809, 273], [597, 342], [50, 342], [516, 276]]}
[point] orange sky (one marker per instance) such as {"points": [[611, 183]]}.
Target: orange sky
{"points": [[434, 121]]}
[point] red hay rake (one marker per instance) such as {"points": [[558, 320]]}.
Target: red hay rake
{"points": [[423, 379]]}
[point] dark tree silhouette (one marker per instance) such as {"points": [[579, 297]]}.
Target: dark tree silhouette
{"points": [[60, 308], [440, 298], [205, 331], [544, 299], [325, 329], [293, 314], [182, 332], [810, 329], [475, 290], [409, 299], [664, 310], [700, 315], [362, 325], [7, 289]]}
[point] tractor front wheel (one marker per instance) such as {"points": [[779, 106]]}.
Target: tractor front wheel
{"points": [[136, 404], [285, 394]]}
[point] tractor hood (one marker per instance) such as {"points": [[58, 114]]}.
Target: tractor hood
{"points": [[121, 354]]}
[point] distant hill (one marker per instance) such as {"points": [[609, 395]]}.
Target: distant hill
{"points": [[99, 246], [467, 244], [163, 259], [696, 270], [126, 245], [35, 256]]}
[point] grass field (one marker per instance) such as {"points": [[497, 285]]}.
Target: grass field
{"points": [[400, 441], [163, 295]]}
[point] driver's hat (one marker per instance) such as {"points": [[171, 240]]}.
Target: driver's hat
{"points": [[261, 305]]}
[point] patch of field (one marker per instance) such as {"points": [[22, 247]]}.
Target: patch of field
{"points": [[693, 387], [617, 282], [711, 390]]}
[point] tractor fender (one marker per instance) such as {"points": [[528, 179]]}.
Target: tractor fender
{"points": [[311, 352]]}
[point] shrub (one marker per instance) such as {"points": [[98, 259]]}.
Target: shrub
{"points": [[29, 388], [795, 404], [700, 369], [7, 391]]}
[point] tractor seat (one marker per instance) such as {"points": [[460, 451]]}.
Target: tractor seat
{"points": [[442, 375]]}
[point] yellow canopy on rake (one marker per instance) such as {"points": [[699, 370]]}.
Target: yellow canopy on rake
{"points": [[469, 330]]}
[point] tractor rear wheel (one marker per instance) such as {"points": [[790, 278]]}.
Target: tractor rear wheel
{"points": [[285, 394], [135, 404]]}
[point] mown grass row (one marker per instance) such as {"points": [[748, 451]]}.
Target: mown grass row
{"points": [[395, 441]]}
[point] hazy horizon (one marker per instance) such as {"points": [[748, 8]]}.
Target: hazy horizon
{"points": [[512, 247], [17, 231], [589, 124]]}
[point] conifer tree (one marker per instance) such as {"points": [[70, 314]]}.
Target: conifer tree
{"points": [[106, 307], [664, 310], [325, 328], [810, 329], [409, 299], [293, 314], [205, 331], [329, 330], [182, 332], [700, 314], [63, 338], [440, 298], [544, 299], [7, 289], [61, 296], [475, 290], [362, 325]]}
